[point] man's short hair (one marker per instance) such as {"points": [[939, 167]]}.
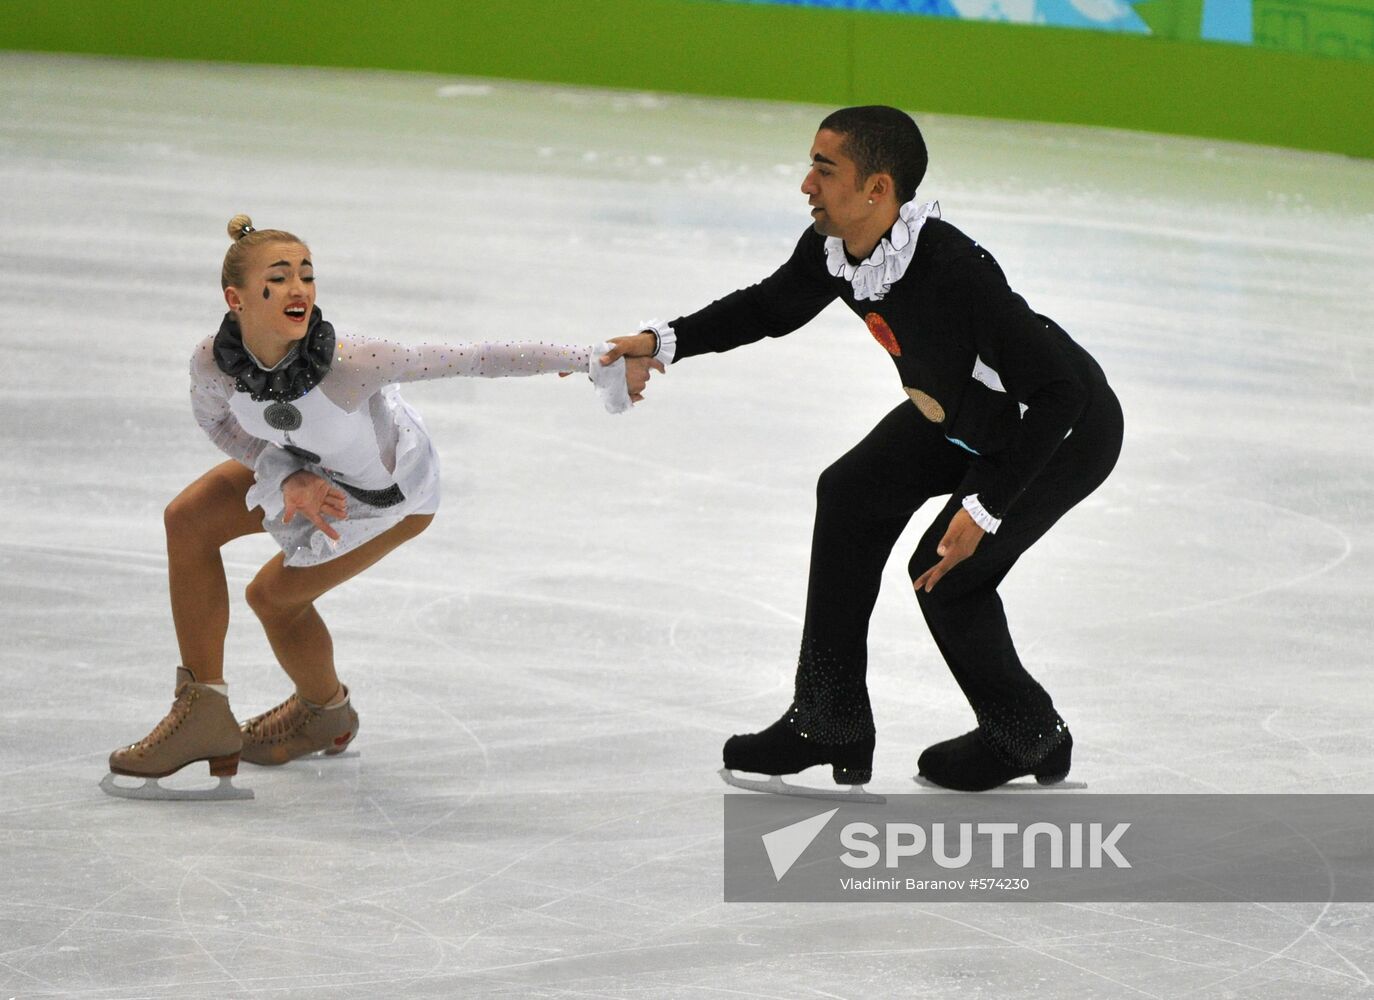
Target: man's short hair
{"points": [[882, 140]]}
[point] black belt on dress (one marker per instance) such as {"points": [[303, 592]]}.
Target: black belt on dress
{"points": [[388, 497]]}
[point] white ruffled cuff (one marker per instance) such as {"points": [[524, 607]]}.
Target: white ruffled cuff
{"points": [[980, 515], [609, 381], [666, 338]]}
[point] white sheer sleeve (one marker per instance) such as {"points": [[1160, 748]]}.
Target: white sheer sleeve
{"points": [[210, 392], [361, 367]]}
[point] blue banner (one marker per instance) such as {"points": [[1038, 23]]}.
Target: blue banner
{"points": [[1211, 20]]}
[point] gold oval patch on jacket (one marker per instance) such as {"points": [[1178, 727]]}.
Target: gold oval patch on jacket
{"points": [[929, 408]]}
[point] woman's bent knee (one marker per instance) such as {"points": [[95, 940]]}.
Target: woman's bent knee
{"points": [[212, 509], [267, 601], [189, 518]]}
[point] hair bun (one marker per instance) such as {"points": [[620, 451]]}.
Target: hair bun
{"points": [[239, 227]]}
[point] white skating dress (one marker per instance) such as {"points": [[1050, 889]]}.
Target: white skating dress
{"points": [[333, 408]]}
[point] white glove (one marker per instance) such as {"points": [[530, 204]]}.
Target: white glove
{"points": [[610, 381]]}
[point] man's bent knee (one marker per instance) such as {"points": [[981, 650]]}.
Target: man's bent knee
{"points": [[836, 484]]}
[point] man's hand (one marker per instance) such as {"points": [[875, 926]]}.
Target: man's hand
{"points": [[313, 498], [638, 354], [958, 544], [637, 375], [641, 345]]}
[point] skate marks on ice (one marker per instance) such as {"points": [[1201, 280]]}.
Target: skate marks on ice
{"points": [[774, 785], [1011, 786]]}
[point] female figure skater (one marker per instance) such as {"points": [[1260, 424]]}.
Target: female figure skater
{"points": [[316, 431]]}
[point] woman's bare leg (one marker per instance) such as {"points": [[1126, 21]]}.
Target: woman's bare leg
{"points": [[283, 598], [202, 518]]}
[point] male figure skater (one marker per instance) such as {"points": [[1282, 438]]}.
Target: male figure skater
{"points": [[1004, 413]]}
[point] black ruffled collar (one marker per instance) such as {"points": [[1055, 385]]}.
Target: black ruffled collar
{"points": [[314, 353]]}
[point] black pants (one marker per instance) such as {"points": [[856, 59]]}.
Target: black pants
{"points": [[864, 501]]}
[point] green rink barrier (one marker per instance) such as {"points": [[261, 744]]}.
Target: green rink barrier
{"points": [[835, 57]]}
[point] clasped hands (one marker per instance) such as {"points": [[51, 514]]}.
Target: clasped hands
{"points": [[639, 362], [638, 353]]}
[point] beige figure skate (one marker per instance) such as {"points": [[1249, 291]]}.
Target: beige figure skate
{"points": [[200, 726], [297, 728]]}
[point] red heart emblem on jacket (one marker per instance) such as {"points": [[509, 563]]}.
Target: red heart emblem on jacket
{"points": [[883, 334]]}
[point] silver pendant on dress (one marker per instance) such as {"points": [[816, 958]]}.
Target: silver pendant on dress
{"points": [[282, 416]]}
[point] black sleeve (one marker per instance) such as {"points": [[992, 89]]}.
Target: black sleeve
{"points": [[787, 299], [1038, 366]]}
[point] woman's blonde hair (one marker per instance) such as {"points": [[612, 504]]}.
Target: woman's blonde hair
{"points": [[245, 239]]}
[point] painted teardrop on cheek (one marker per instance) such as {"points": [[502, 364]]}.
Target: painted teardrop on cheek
{"points": [[266, 292]]}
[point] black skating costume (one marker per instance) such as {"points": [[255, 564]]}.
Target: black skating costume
{"points": [[1011, 418]]}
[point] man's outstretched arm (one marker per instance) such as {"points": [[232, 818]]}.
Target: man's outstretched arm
{"points": [[787, 299]]}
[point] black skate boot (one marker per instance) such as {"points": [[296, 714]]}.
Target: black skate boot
{"points": [[780, 749], [968, 763]]}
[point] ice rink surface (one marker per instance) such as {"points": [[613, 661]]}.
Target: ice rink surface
{"points": [[545, 677]]}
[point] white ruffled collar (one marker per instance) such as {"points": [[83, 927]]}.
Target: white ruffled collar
{"points": [[889, 260]]}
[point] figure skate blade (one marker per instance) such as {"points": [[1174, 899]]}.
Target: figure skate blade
{"points": [[315, 757], [152, 790], [1010, 786], [776, 786]]}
